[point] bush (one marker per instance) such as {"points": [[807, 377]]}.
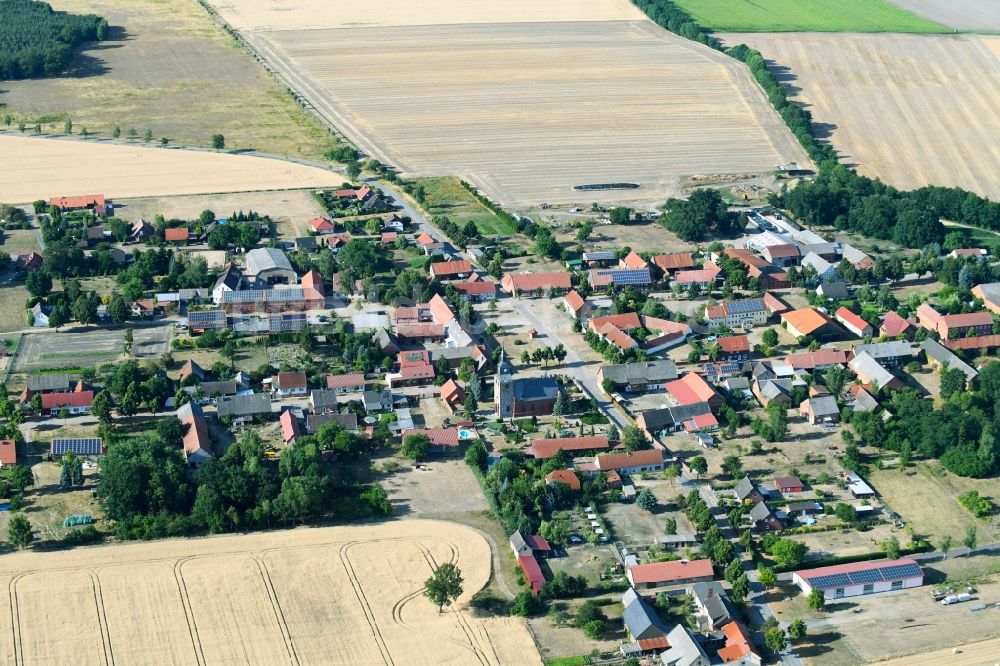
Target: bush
{"points": [[594, 629], [526, 604], [978, 506]]}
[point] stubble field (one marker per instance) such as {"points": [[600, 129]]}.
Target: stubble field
{"points": [[913, 110], [337, 595], [168, 67], [523, 102], [39, 168]]}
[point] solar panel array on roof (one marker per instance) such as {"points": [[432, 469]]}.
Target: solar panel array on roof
{"points": [[627, 275], [243, 296], [287, 322], [85, 446], [598, 256], [741, 307], [887, 574], [207, 319]]}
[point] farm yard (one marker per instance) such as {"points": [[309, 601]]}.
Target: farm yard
{"points": [[268, 597], [29, 166], [959, 14], [912, 110], [521, 109], [807, 16], [168, 67]]}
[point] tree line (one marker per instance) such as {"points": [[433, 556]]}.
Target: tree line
{"points": [[36, 40]]}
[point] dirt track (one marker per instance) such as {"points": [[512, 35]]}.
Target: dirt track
{"points": [[525, 109], [39, 168], [913, 110], [338, 595]]}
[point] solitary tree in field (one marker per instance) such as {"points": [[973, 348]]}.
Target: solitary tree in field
{"points": [[646, 500], [148, 135], [19, 531], [945, 544], [698, 465], [970, 537], [444, 586], [816, 600], [69, 126], [218, 141]]}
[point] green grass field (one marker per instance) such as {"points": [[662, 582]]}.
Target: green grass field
{"points": [[805, 16], [447, 197]]}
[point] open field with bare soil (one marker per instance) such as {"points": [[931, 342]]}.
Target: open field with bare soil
{"points": [[336, 595], [524, 102], [38, 168], [972, 15], [912, 110], [167, 66]]}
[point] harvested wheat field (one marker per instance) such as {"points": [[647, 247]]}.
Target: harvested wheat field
{"points": [[983, 653], [912, 110], [38, 168], [334, 595], [525, 102]]}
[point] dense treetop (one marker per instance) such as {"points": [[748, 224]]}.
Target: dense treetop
{"points": [[35, 39]]}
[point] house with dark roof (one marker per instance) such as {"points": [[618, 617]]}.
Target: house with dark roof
{"points": [[656, 422], [323, 400], [711, 604], [763, 519], [821, 409], [638, 377], [348, 421], [940, 357], [640, 619], [375, 402], [241, 407], [890, 354], [746, 492]]}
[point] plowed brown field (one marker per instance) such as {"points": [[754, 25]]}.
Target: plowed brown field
{"points": [[525, 101], [913, 110], [336, 595]]}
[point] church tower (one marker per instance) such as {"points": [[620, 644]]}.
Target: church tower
{"points": [[503, 388]]}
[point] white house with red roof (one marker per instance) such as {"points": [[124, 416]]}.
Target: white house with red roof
{"points": [[321, 225], [859, 578], [853, 322]]}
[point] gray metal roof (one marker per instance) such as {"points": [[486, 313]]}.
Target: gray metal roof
{"points": [[939, 353], [744, 488], [315, 421], [266, 259], [684, 649], [641, 373], [824, 405], [323, 398], [889, 349], [225, 387], [667, 417], [712, 597], [536, 388], [245, 405], [48, 382], [231, 276], [760, 512]]}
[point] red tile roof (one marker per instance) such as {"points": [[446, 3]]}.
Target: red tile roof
{"points": [[445, 268], [289, 426], [532, 572], [692, 388], [390, 236], [425, 238], [74, 399], [425, 371], [625, 321], [968, 319], [175, 234], [413, 357], [438, 436], [657, 643], [701, 275], [977, 342], [291, 380], [806, 320], [532, 281], [894, 325], [617, 337], [672, 262], [667, 572], [8, 454], [848, 317], [575, 301], [440, 310], [476, 287], [320, 224], [774, 304], [633, 260], [345, 381], [83, 201], [450, 391], [737, 642], [566, 476], [820, 357], [786, 250], [734, 343], [616, 461], [546, 448], [414, 331], [196, 436]]}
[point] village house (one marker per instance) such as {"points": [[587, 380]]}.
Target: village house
{"points": [[29, 263], [176, 235], [532, 284], [872, 374], [142, 230], [452, 395], [989, 294], [8, 452], [543, 449], [676, 572], [817, 360], [671, 263], [736, 314], [825, 271], [783, 255], [691, 389], [576, 305], [40, 315], [415, 368], [788, 484], [853, 323], [890, 354], [442, 440], [951, 326], [627, 464], [376, 402], [705, 278], [348, 421], [350, 383], [244, 407], [74, 402], [738, 649], [289, 383], [639, 376], [450, 270], [820, 410], [656, 422], [320, 226], [601, 279], [940, 357], [685, 649], [290, 428], [762, 519], [734, 347], [95, 203], [476, 289], [893, 326], [746, 492], [859, 578], [811, 322], [711, 605], [643, 626]]}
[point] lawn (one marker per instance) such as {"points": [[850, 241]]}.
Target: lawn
{"points": [[19, 241], [446, 197], [12, 314], [805, 16]]}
